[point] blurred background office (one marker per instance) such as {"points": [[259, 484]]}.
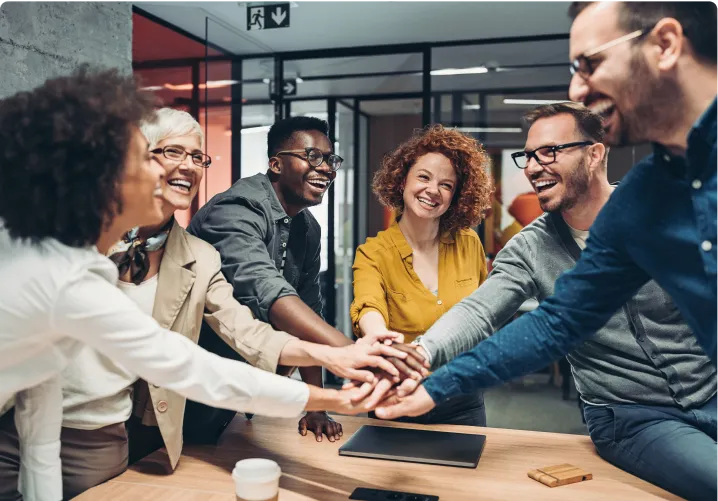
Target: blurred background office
{"points": [[375, 71]]}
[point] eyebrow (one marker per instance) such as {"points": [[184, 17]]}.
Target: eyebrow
{"points": [[196, 150]]}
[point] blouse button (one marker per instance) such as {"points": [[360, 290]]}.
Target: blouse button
{"points": [[706, 245], [162, 406], [439, 302], [286, 221], [696, 184], [284, 244]]}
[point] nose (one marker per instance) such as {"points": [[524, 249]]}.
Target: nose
{"points": [[532, 168], [578, 89], [326, 170]]}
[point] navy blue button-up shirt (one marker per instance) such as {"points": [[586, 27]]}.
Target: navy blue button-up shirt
{"points": [[660, 223]]}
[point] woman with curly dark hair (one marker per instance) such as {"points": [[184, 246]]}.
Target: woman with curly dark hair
{"points": [[75, 175], [429, 259]]}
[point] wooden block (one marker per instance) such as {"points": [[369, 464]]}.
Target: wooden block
{"points": [[562, 474]]}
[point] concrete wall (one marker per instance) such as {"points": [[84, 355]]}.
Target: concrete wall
{"points": [[40, 40]]}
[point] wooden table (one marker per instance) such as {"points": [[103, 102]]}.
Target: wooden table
{"points": [[315, 471]]}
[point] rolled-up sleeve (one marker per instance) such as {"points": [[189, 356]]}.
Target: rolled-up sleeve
{"points": [[369, 288], [257, 342], [237, 228]]}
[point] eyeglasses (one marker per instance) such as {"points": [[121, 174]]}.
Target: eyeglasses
{"points": [[178, 155], [544, 155], [315, 157], [584, 67]]}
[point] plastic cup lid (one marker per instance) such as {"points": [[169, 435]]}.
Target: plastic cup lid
{"points": [[256, 470]]}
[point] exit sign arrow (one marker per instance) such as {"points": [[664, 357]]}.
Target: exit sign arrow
{"points": [[279, 15], [290, 87]]}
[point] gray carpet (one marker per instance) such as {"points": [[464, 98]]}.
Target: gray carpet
{"points": [[531, 403]]}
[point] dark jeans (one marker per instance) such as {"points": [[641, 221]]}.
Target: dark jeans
{"points": [[467, 410], [672, 448]]}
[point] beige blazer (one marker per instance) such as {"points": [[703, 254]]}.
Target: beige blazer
{"points": [[191, 288]]}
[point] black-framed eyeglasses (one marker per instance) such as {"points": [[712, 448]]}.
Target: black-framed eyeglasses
{"points": [[177, 154], [544, 155], [584, 66], [315, 157]]}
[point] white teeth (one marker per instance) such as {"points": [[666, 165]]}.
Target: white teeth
{"points": [[546, 182], [180, 183], [318, 183], [427, 202], [602, 107]]}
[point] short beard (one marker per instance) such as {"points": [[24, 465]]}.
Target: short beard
{"points": [[575, 186], [656, 105], [291, 198]]}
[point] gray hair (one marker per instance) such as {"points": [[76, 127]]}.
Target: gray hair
{"points": [[171, 123]]}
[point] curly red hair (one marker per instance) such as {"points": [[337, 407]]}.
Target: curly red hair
{"points": [[474, 186]]}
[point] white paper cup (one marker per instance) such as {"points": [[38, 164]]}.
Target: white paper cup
{"points": [[256, 479]]}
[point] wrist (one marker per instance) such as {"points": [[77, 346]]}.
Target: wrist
{"points": [[321, 400]]}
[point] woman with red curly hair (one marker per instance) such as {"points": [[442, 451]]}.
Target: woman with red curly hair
{"points": [[429, 259]]}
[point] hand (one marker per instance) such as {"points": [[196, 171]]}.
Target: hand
{"points": [[415, 404], [320, 423], [354, 398], [382, 336], [414, 365], [347, 360]]}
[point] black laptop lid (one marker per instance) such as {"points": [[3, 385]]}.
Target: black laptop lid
{"points": [[416, 446]]}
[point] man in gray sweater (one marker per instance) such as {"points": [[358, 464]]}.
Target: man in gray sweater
{"points": [[648, 387]]}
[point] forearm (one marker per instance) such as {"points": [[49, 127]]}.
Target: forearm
{"points": [[298, 353], [508, 354], [312, 376], [292, 315], [321, 399], [371, 322]]}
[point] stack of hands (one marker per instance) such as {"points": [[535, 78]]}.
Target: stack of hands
{"points": [[385, 375]]}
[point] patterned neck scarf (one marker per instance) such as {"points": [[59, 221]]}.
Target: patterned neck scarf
{"points": [[131, 252]]}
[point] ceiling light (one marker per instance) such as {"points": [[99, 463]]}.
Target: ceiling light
{"points": [[152, 88], [472, 106], [266, 80], [534, 101], [299, 79], [490, 129], [211, 84], [460, 71]]}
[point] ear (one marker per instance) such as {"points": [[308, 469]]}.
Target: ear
{"points": [[669, 43], [275, 165], [597, 152]]}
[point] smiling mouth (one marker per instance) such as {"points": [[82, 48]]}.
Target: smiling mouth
{"points": [[603, 108], [427, 203], [544, 185], [180, 185], [318, 184]]}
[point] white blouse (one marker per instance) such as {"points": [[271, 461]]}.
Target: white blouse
{"points": [[53, 300]]}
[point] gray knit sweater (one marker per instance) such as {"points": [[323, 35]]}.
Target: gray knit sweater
{"points": [[645, 354]]}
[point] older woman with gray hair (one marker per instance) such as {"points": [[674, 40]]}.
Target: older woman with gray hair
{"points": [[176, 278]]}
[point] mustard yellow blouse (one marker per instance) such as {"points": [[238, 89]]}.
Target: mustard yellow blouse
{"points": [[385, 280]]}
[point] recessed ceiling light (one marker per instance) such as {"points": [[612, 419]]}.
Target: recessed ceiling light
{"points": [[460, 71], [534, 101], [490, 129]]}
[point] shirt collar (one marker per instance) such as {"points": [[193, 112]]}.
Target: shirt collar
{"points": [[278, 211], [701, 137], [399, 241]]}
